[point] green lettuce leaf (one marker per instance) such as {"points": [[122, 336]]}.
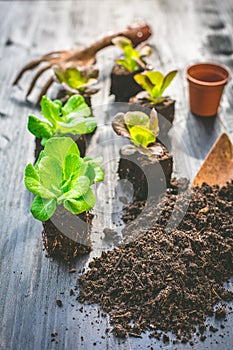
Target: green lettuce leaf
{"points": [[96, 173], [141, 135], [119, 125], [50, 172], [71, 76], [136, 118], [168, 79], [72, 163], [88, 170], [79, 187], [33, 183], [76, 105], [144, 82], [60, 147], [43, 209], [77, 126], [122, 42], [99, 174], [39, 128], [84, 203], [50, 110]]}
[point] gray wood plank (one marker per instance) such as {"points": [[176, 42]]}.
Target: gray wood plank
{"points": [[184, 32]]}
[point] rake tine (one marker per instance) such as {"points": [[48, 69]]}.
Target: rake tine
{"points": [[57, 53], [44, 89], [36, 77], [31, 65]]}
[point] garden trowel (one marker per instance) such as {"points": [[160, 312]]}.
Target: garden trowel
{"points": [[217, 168]]}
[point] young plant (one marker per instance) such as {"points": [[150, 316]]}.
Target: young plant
{"points": [[155, 84], [62, 177], [140, 128], [133, 59], [78, 80], [72, 118]]}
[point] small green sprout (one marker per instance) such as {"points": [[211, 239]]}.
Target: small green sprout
{"points": [[78, 80], [133, 59], [155, 83], [140, 128]]}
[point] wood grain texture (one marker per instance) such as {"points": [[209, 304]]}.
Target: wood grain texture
{"points": [[30, 283]]}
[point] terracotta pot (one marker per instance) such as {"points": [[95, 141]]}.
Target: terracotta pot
{"points": [[206, 84]]}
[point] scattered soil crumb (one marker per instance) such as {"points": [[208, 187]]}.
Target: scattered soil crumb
{"points": [[108, 232], [73, 270], [220, 313], [59, 303]]}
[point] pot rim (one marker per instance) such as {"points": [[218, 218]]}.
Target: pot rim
{"points": [[215, 66]]}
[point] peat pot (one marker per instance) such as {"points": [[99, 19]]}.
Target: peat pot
{"points": [[149, 175], [67, 236], [123, 85]]}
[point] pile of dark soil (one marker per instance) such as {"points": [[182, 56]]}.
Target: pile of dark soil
{"points": [[134, 209], [168, 280]]}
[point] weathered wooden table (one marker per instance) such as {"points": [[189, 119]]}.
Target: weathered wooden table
{"points": [[30, 283]]}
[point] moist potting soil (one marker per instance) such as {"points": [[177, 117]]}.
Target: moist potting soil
{"points": [[169, 280]]}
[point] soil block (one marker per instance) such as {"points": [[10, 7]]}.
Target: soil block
{"points": [[166, 109], [149, 175], [81, 143], [66, 236], [63, 96], [123, 85]]}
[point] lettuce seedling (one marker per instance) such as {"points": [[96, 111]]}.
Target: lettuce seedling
{"points": [[72, 118], [78, 80], [155, 84], [133, 59], [140, 128], [61, 177]]}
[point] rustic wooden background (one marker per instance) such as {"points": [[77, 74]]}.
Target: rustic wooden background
{"points": [[184, 32]]}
